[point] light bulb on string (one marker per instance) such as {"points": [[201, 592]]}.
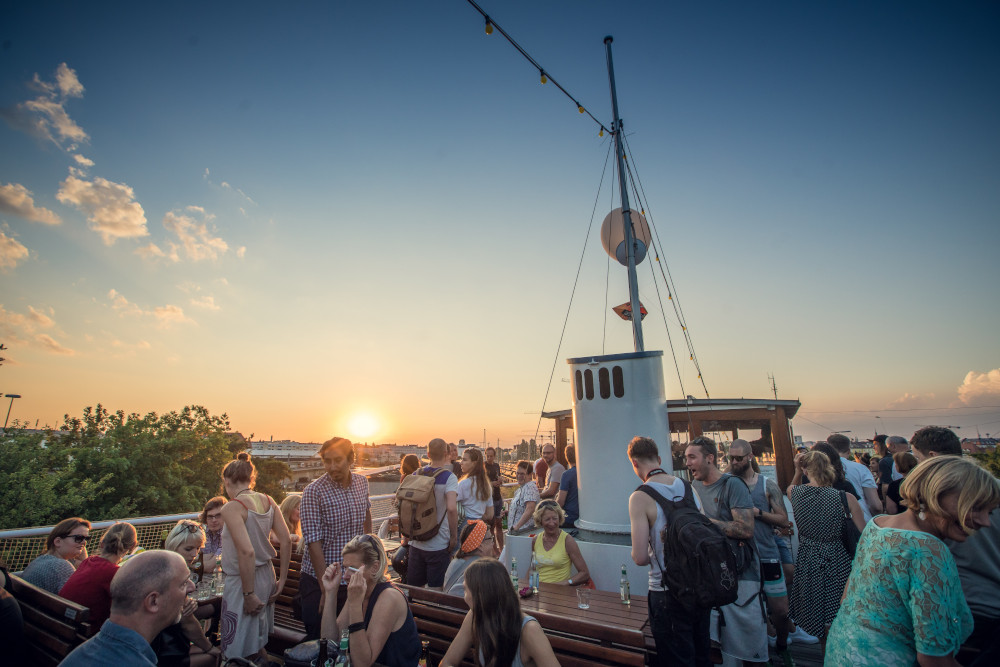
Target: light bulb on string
{"points": [[545, 79], [489, 27], [601, 133], [579, 108]]}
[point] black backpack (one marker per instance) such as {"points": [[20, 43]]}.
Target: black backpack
{"points": [[699, 561]]}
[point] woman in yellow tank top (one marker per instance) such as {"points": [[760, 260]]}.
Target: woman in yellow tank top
{"points": [[555, 551]]}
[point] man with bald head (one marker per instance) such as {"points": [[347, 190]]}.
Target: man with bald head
{"points": [[147, 595]]}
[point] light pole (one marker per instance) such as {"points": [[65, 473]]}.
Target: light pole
{"points": [[11, 397]]}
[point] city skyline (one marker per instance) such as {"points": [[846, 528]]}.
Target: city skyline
{"points": [[367, 221]]}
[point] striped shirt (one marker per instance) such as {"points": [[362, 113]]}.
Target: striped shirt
{"points": [[333, 515]]}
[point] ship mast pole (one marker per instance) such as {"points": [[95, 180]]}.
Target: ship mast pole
{"points": [[633, 284]]}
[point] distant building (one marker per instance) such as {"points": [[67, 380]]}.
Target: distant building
{"points": [[979, 445]]}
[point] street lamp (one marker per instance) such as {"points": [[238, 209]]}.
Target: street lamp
{"points": [[11, 397]]}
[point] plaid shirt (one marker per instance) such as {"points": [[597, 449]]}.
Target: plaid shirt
{"points": [[213, 543], [332, 515]]}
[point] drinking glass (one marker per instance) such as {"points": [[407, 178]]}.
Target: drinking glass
{"points": [[583, 598]]}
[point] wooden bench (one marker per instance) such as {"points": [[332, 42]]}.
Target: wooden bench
{"points": [[576, 643], [53, 626], [288, 631]]}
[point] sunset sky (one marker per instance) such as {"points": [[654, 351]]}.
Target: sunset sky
{"points": [[315, 216]]}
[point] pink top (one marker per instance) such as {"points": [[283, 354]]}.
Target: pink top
{"points": [[90, 586]]}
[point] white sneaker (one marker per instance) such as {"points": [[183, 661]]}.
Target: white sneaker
{"points": [[801, 636]]}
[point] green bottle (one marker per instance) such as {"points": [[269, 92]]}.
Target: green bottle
{"points": [[344, 659]]}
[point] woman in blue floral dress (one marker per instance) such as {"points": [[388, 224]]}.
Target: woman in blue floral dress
{"points": [[904, 603]]}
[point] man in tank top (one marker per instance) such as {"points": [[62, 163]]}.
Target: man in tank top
{"points": [[681, 636]]}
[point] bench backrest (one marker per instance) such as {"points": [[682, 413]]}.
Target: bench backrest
{"points": [[53, 626], [575, 643]]}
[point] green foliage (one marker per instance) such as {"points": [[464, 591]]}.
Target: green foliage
{"points": [[112, 466], [989, 460]]}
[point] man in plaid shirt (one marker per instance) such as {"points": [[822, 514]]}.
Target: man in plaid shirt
{"points": [[335, 508]]}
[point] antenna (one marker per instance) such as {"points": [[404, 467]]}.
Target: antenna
{"points": [[774, 387]]}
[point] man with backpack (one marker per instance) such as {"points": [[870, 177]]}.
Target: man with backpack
{"points": [[740, 627], [681, 633], [433, 539]]}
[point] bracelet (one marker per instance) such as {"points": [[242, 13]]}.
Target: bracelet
{"points": [[570, 581], [246, 595], [355, 627]]}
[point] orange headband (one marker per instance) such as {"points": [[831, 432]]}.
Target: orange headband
{"points": [[475, 538]]}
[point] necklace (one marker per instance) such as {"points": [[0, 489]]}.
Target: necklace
{"points": [[240, 493], [655, 471]]}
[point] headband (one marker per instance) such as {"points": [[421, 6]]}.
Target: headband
{"points": [[475, 538]]}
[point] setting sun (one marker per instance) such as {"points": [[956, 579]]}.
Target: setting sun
{"points": [[363, 425]]}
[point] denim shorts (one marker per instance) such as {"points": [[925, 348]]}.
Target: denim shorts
{"points": [[784, 551]]}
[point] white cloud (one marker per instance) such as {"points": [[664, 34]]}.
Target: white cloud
{"points": [[169, 314], [150, 252], [164, 316], [83, 161], [11, 252], [191, 228], [22, 330], [17, 200], [912, 401], [45, 116], [110, 207], [205, 302], [241, 252], [980, 388], [50, 344]]}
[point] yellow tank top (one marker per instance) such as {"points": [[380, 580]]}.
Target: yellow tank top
{"points": [[553, 565]]}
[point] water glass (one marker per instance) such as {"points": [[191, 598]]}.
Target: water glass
{"points": [[583, 598]]}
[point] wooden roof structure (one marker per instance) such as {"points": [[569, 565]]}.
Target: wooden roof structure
{"points": [[697, 416]]}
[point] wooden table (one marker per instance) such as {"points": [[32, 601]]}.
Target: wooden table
{"points": [[606, 608]]}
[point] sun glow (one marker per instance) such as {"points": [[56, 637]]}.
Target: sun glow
{"points": [[363, 425]]}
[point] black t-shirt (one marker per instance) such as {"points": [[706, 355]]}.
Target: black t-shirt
{"points": [[885, 470], [893, 493], [493, 472]]}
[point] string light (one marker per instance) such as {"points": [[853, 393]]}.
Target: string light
{"points": [[580, 108], [544, 78], [601, 133], [489, 26]]}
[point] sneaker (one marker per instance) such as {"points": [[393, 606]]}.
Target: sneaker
{"points": [[801, 636], [772, 641]]}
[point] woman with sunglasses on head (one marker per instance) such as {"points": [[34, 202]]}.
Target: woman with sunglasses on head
{"points": [[377, 615], [184, 643], [474, 542], [65, 549], [90, 585], [251, 586], [495, 628]]}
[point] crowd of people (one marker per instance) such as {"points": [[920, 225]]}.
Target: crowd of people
{"points": [[898, 559]]}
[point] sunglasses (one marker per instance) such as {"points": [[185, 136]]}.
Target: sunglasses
{"points": [[192, 527], [79, 539], [738, 459]]}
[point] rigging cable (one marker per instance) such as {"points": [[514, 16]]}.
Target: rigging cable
{"points": [[607, 265], [545, 76], [576, 281], [667, 277]]}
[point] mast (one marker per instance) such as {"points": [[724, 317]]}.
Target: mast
{"points": [[616, 129]]}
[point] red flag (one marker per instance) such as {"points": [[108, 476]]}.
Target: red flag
{"points": [[625, 311]]}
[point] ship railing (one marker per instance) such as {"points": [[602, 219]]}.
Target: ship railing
{"points": [[19, 546]]}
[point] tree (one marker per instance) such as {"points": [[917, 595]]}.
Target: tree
{"points": [[112, 466], [990, 460]]}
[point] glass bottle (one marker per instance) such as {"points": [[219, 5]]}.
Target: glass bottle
{"points": [[220, 578], [199, 568], [533, 575], [513, 572], [425, 654], [344, 658], [323, 656], [623, 587]]}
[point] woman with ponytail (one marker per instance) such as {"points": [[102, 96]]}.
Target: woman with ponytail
{"points": [[90, 584], [251, 587], [501, 635]]}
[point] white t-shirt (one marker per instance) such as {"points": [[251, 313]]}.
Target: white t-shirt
{"points": [[555, 473], [474, 508], [860, 478], [445, 484]]}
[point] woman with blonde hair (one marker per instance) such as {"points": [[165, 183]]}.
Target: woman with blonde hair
{"points": [[495, 627], [65, 549], [475, 493], [185, 643], [290, 512], [381, 626], [822, 564], [251, 586], [554, 550], [904, 603], [90, 585]]}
